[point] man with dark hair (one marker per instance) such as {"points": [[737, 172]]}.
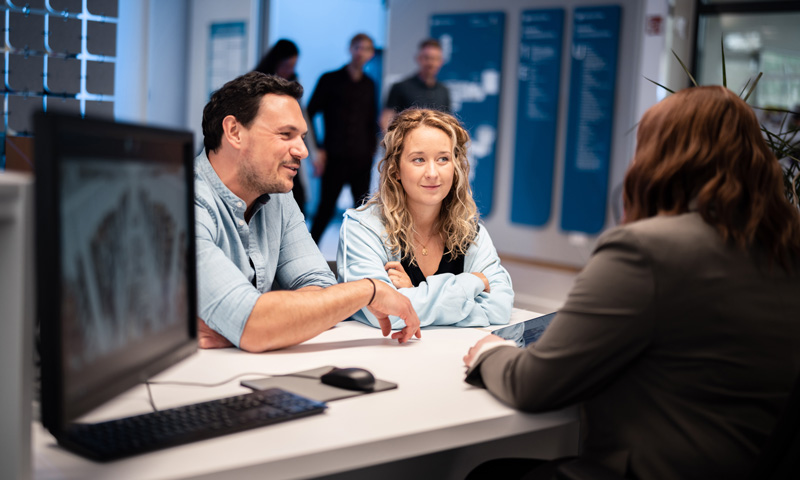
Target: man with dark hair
{"points": [[421, 89], [346, 100], [262, 282]]}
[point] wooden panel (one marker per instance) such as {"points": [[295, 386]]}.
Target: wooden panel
{"points": [[19, 154]]}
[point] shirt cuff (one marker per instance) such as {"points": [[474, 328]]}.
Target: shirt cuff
{"points": [[490, 346]]}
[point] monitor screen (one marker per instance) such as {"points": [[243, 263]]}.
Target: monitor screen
{"points": [[116, 291]]}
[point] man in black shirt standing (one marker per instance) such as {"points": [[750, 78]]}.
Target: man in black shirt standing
{"points": [[347, 101], [421, 89]]}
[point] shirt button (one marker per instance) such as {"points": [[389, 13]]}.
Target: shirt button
{"points": [[239, 204], [241, 222]]}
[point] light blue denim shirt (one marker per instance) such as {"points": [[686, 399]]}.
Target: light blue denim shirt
{"points": [[237, 261]]}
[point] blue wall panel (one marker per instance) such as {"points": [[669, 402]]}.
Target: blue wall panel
{"points": [[539, 77], [473, 49], [595, 43]]}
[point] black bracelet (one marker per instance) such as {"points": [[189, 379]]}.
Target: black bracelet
{"points": [[374, 290]]}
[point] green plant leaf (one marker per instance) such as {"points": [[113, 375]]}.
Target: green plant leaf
{"points": [[662, 86], [724, 75], [753, 87], [694, 82], [782, 144], [744, 88]]}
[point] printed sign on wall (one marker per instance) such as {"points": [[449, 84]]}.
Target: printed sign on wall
{"points": [[539, 77], [227, 53], [472, 44], [595, 43]]}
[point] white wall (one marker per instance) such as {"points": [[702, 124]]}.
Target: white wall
{"points": [[322, 30], [150, 77], [201, 14], [409, 22], [130, 76], [167, 75]]}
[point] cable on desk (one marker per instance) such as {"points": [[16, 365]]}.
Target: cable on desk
{"points": [[150, 396], [217, 384]]}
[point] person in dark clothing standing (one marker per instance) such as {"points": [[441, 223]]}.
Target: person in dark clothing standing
{"points": [[347, 101], [281, 60], [422, 89]]}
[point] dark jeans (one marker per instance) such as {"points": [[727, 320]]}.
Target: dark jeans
{"points": [[507, 469], [567, 468], [336, 175]]}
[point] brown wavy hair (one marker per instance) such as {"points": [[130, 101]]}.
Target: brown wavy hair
{"points": [[702, 149], [458, 217]]}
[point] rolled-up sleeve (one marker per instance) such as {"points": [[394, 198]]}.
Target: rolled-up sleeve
{"points": [[300, 263], [225, 297]]}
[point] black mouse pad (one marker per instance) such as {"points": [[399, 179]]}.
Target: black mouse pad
{"points": [[307, 383]]}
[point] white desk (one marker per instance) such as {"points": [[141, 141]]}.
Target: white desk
{"points": [[433, 410]]}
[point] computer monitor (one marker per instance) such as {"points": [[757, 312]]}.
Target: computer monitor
{"points": [[115, 258]]}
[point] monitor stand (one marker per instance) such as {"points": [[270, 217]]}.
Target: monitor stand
{"points": [[17, 314]]}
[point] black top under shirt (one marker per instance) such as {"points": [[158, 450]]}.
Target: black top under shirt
{"points": [[446, 265]]}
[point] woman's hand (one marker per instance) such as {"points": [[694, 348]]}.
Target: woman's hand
{"points": [[471, 355], [398, 275], [486, 287]]}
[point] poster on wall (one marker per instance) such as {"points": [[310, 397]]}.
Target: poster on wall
{"points": [[472, 44], [539, 78], [227, 53], [594, 50]]}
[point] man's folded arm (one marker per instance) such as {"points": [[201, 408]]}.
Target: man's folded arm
{"points": [[284, 318]]}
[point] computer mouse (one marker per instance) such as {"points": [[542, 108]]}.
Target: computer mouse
{"points": [[350, 379]]}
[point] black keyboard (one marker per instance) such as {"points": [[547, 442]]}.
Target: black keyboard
{"points": [[166, 428]]}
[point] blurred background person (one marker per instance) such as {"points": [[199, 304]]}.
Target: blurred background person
{"points": [[346, 100], [422, 89]]}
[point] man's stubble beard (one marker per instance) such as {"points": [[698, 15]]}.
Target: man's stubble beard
{"points": [[252, 181]]}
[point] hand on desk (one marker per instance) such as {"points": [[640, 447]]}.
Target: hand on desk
{"points": [[473, 352], [389, 301], [208, 338]]}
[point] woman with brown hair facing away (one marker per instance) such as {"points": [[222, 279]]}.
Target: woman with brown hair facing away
{"points": [[681, 336]]}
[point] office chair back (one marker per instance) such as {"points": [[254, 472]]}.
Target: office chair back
{"points": [[780, 458]]}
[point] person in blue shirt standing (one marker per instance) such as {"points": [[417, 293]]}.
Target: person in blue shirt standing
{"points": [[262, 282]]}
